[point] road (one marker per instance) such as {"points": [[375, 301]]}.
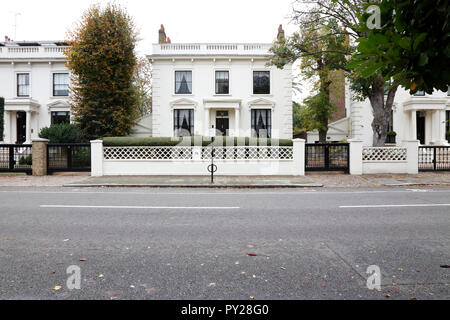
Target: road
{"points": [[224, 244]]}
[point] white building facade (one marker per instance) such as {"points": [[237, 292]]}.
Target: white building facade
{"points": [[35, 84], [420, 117], [228, 87]]}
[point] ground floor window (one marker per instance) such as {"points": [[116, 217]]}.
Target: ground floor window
{"points": [[183, 122], [447, 125], [261, 123], [58, 117]]}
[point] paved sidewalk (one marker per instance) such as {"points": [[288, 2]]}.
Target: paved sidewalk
{"points": [[310, 180], [331, 180]]}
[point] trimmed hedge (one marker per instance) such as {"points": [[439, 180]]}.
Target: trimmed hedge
{"points": [[61, 133], [189, 141], [2, 113]]}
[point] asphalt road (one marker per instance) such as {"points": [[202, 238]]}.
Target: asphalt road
{"points": [[195, 244]]}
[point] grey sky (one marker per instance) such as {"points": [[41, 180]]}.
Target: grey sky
{"points": [[184, 21]]}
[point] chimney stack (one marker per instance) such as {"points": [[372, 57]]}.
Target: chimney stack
{"points": [[168, 40], [162, 35], [280, 34]]}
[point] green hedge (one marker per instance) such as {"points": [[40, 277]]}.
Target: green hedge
{"points": [[2, 113], [206, 141]]}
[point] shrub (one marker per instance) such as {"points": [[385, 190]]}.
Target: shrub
{"points": [[392, 133], [28, 160], [205, 141], [61, 133]]}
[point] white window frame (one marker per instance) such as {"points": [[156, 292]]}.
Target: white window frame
{"points": [[181, 107], [270, 94], [16, 88], [214, 82], [173, 82], [51, 83]]}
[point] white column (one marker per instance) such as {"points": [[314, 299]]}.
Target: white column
{"points": [[356, 162], [413, 125], [96, 158], [7, 129], [236, 122], [298, 152], [412, 155], [28, 128], [442, 119], [206, 125]]}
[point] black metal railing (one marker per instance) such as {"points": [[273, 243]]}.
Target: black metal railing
{"points": [[434, 158], [327, 157], [16, 157], [68, 157]]}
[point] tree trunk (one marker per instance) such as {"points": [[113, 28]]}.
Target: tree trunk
{"points": [[381, 111]]}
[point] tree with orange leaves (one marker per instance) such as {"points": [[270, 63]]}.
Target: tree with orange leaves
{"points": [[102, 61]]}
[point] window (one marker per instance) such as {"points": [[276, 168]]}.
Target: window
{"points": [[60, 84], [447, 124], [420, 93], [183, 122], [261, 82], [222, 82], [183, 82], [261, 123], [23, 84], [448, 91], [58, 117]]}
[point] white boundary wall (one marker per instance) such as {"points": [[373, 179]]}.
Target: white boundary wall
{"points": [[372, 160], [150, 161]]}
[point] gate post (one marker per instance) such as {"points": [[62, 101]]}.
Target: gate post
{"points": [[96, 158], [355, 161], [298, 153], [39, 156], [412, 156]]}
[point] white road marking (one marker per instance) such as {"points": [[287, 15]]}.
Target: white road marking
{"points": [[137, 207], [399, 205]]}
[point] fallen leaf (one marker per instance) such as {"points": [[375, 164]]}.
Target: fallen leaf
{"points": [[252, 254], [250, 246], [82, 259], [101, 276], [112, 293], [282, 268], [387, 295], [357, 266], [445, 266], [56, 288], [252, 297], [400, 269], [414, 299], [65, 240], [212, 284], [132, 286]]}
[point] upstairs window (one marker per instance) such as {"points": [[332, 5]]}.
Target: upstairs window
{"points": [[59, 117], [23, 84], [183, 122], [222, 82], [60, 84], [261, 123], [183, 82], [261, 82], [420, 93]]}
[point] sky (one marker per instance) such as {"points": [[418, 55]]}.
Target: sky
{"points": [[184, 21]]}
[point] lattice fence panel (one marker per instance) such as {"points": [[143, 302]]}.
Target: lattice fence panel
{"points": [[147, 153], [249, 153], [384, 154]]}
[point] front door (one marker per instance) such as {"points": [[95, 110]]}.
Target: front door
{"points": [[21, 127], [222, 123], [421, 127]]}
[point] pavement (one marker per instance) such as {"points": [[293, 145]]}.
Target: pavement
{"points": [[319, 179], [174, 243]]}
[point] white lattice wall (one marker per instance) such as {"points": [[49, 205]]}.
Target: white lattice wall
{"points": [[186, 153], [384, 154]]}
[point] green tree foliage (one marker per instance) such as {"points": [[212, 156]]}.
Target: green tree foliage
{"points": [[412, 47], [2, 111], [102, 60], [61, 133], [321, 46], [142, 82], [297, 121], [314, 109]]}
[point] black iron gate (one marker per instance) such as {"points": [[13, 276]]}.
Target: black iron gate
{"points": [[434, 158], [327, 157], [15, 158], [68, 157]]}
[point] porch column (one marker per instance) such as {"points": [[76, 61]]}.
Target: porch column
{"points": [[442, 120], [7, 134], [236, 122], [206, 126], [28, 128], [413, 125]]}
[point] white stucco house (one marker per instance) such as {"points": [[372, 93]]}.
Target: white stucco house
{"points": [[35, 84], [420, 116], [225, 86]]}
